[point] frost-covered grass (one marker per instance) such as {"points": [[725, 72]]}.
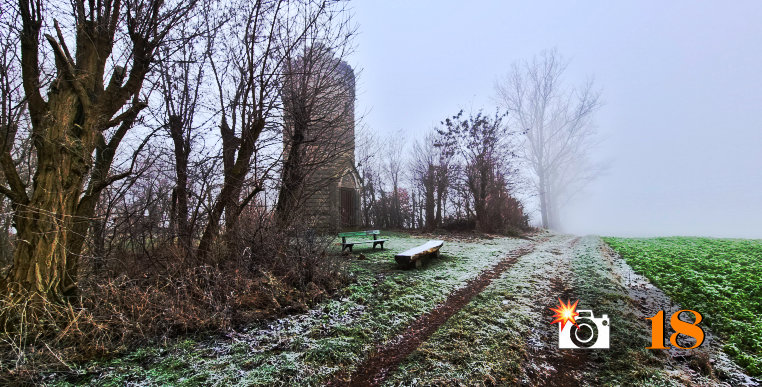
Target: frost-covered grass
{"points": [[309, 348], [485, 343]]}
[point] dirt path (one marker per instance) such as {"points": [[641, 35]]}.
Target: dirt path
{"points": [[548, 271], [374, 370], [565, 267]]}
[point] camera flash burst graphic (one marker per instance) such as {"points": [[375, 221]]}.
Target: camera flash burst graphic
{"points": [[565, 313]]}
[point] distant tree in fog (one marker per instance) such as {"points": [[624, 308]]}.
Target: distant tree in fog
{"points": [[556, 120]]}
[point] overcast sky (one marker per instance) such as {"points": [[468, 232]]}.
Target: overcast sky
{"points": [[681, 83]]}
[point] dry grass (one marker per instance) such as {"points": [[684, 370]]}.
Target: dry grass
{"points": [[120, 309]]}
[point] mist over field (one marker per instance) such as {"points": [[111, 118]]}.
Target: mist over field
{"points": [[680, 84]]}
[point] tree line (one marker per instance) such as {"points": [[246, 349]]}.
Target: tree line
{"points": [[463, 176], [470, 171]]}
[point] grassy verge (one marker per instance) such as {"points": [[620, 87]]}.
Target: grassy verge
{"points": [[309, 348], [720, 278], [483, 344]]}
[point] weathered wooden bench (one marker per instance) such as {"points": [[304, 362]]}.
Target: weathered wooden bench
{"points": [[416, 254], [370, 233]]}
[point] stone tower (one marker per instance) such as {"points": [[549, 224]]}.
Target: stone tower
{"points": [[319, 99]]}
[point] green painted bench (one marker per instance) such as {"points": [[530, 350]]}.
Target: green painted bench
{"points": [[345, 244]]}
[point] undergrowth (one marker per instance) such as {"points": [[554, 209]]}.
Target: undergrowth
{"points": [[118, 310]]}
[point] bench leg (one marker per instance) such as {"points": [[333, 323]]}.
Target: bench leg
{"points": [[418, 263]]}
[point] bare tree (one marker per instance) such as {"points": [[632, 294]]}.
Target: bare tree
{"points": [[557, 122], [73, 129], [184, 108], [432, 171], [368, 168], [392, 167], [485, 148], [423, 168], [245, 67], [14, 149]]}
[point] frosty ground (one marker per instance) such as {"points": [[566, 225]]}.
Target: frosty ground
{"points": [[498, 335]]}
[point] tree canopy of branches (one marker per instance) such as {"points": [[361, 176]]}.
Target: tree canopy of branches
{"points": [[557, 123], [485, 149], [261, 44]]}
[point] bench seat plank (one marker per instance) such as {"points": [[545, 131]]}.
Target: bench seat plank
{"points": [[358, 233], [413, 255], [368, 241]]}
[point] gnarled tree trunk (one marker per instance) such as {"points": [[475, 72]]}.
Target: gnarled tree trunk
{"points": [[52, 218]]}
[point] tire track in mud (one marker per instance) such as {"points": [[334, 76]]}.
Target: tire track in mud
{"points": [[385, 358]]}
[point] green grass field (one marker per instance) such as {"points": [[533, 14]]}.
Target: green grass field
{"points": [[720, 278]]}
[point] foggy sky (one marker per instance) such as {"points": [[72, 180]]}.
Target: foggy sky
{"points": [[681, 85]]}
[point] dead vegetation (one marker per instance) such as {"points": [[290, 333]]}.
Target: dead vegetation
{"points": [[143, 302]]}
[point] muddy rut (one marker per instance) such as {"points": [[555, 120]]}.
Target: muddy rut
{"points": [[385, 358]]}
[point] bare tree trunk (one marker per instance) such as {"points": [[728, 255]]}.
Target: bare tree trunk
{"points": [[234, 179], [182, 152], [431, 218], [293, 175], [543, 200]]}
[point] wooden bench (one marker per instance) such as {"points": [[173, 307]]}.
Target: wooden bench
{"points": [[348, 244], [416, 254]]}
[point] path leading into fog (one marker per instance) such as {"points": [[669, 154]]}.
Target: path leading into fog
{"points": [[536, 275]]}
